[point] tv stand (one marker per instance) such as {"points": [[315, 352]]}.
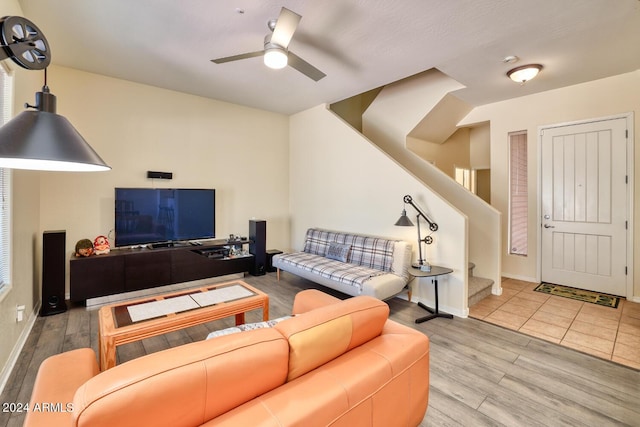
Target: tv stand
{"points": [[163, 245], [125, 270]]}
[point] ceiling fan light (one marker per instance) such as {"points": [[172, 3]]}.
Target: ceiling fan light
{"points": [[524, 73], [275, 57]]}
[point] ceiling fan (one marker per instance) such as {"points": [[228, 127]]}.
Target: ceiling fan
{"points": [[276, 53]]}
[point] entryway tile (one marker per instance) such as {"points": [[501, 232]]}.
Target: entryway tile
{"points": [[553, 319], [551, 309], [627, 352], [605, 332], [593, 330], [589, 341], [506, 319], [543, 328]]}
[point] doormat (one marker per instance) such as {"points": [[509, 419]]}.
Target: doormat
{"points": [[579, 294]]}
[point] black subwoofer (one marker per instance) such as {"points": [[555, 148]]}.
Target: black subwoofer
{"points": [[258, 246], [53, 270]]}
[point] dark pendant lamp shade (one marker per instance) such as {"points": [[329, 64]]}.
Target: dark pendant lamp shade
{"points": [[39, 139], [404, 220], [44, 140]]}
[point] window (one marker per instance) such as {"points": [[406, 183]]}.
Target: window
{"points": [[518, 197], [6, 96], [466, 178], [463, 176]]}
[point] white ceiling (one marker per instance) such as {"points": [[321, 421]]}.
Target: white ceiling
{"points": [[359, 44]]}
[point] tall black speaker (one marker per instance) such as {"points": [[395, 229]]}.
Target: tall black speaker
{"points": [[258, 246], [54, 261]]}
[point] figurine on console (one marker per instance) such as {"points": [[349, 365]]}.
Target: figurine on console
{"points": [[84, 248], [101, 245]]}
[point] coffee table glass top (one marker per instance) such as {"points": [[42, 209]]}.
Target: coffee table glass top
{"points": [[159, 306]]}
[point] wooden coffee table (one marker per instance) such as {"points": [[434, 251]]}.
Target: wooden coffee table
{"points": [[159, 314]]}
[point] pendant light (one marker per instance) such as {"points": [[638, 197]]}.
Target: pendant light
{"points": [[39, 139]]}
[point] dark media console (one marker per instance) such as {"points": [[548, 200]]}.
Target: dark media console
{"points": [[125, 270]]}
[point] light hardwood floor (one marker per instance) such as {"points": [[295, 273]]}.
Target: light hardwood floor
{"points": [[481, 374]]}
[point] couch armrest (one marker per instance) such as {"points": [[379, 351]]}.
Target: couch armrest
{"points": [[311, 299], [58, 378]]}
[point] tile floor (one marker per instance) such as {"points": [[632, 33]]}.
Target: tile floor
{"points": [[612, 334]]}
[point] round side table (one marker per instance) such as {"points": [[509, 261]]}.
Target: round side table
{"points": [[435, 272]]}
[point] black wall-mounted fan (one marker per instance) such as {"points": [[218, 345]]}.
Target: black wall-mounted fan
{"points": [[277, 43], [24, 43]]}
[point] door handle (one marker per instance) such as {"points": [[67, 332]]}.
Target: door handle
{"points": [[549, 226]]}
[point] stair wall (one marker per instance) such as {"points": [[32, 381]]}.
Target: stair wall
{"points": [[395, 113]]}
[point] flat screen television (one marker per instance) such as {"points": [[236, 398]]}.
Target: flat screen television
{"points": [[152, 215]]}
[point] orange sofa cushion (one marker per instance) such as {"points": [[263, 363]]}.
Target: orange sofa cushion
{"points": [[186, 385], [383, 381], [321, 335], [58, 378]]}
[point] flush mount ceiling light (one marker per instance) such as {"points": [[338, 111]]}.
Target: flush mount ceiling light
{"points": [[524, 73], [39, 139]]}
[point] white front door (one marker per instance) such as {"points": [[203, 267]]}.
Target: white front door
{"points": [[584, 206]]}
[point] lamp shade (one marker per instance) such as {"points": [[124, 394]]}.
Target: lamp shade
{"points": [[44, 140], [404, 220]]}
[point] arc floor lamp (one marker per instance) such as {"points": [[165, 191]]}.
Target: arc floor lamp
{"points": [[404, 221]]}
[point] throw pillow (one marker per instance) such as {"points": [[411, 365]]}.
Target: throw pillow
{"points": [[247, 327], [338, 251]]}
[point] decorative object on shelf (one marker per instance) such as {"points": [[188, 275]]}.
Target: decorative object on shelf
{"points": [[101, 245], [84, 247], [404, 221], [40, 139], [524, 73], [235, 238]]}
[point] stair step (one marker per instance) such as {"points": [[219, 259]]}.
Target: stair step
{"points": [[479, 288]]}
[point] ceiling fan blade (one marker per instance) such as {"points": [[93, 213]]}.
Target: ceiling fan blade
{"points": [[305, 68], [285, 27], [238, 57]]}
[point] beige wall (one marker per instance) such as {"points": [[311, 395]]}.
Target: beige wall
{"points": [[24, 288], [351, 109], [387, 122], [239, 151], [607, 97], [341, 181], [452, 153], [480, 146]]}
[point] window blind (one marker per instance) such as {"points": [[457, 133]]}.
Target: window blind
{"points": [[6, 97], [518, 194]]}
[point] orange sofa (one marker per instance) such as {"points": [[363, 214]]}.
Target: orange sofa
{"points": [[335, 363]]}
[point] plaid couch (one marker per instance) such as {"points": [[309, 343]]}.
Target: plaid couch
{"points": [[363, 265]]}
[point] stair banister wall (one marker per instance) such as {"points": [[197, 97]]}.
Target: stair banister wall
{"points": [[340, 180], [388, 121]]}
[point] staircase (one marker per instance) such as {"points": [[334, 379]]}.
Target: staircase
{"points": [[479, 287], [422, 110]]}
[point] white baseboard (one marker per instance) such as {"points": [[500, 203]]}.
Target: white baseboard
{"points": [[17, 349]]}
